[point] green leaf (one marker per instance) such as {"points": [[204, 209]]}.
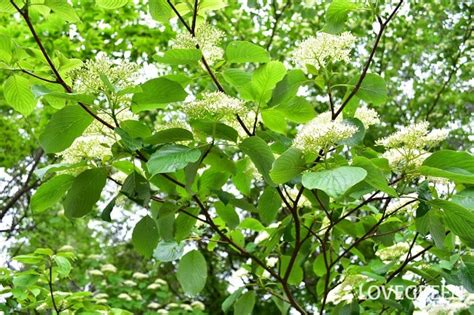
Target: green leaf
{"points": [[145, 236], [287, 88], [274, 120], [171, 158], [18, 94], [373, 89], [85, 192], [63, 128], [268, 205], [105, 215], [465, 198], [334, 182], [192, 272], [230, 300], [63, 265], [180, 56], [228, 214], [466, 275], [160, 10], [336, 15], [260, 154], [458, 219], [215, 130], [287, 166], [168, 251], [137, 188], [170, 136], [184, 223], [157, 93], [264, 80], [456, 166], [64, 9], [242, 52], [50, 192], [358, 136], [111, 4], [375, 176], [237, 77], [298, 110], [296, 273], [244, 305]]}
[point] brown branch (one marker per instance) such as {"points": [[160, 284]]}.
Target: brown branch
{"points": [[51, 291], [277, 16], [356, 88]]}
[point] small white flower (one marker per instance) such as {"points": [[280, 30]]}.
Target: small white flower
{"points": [[401, 204], [323, 49], [198, 305], [153, 305], [271, 261], [215, 105], [207, 37], [124, 296], [162, 312], [101, 301], [393, 252], [261, 237], [153, 286], [139, 276], [321, 133], [130, 283], [95, 272], [172, 305], [161, 282], [367, 116], [186, 307], [66, 248], [101, 296], [344, 291], [109, 268]]}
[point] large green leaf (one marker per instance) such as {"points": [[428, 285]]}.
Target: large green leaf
{"points": [[260, 154], [18, 94], [287, 88], [453, 165], [373, 89], [334, 182], [215, 129], [137, 188], [375, 177], [180, 56], [264, 80], [336, 15], [50, 192], [242, 51], [169, 136], [458, 219], [160, 10], [85, 192], [64, 9], [298, 110], [171, 158], [168, 251], [192, 272], [145, 236], [244, 305], [157, 93], [111, 4], [268, 205], [465, 198], [63, 128], [287, 166]]}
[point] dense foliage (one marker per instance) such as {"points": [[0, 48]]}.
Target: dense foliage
{"points": [[258, 156]]}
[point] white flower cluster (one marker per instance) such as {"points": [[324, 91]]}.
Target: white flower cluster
{"points": [[87, 79], [321, 133], [401, 204], [215, 105], [393, 252], [320, 50], [398, 251], [344, 291], [207, 37], [96, 141], [415, 136], [407, 146], [367, 116]]}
